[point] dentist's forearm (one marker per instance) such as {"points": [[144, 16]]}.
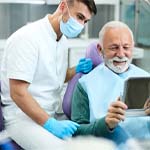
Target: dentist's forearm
{"points": [[26, 103], [30, 107]]}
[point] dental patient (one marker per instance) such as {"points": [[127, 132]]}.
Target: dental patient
{"points": [[96, 104]]}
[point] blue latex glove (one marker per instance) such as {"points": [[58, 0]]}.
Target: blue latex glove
{"points": [[61, 129], [85, 65]]}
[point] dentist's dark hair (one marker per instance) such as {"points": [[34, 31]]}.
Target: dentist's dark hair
{"points": [[89, 3]]}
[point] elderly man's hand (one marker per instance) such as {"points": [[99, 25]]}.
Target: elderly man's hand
{"points": [[147, 106], [116, 113]]}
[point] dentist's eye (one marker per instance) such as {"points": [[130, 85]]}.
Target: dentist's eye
{"points": [[80, 17]]}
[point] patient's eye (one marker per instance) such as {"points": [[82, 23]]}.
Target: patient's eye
{"points": [[114, 48], [126, 48], [117, 47]]}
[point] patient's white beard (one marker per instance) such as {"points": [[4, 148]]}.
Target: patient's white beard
{"points": [[118, 68]]}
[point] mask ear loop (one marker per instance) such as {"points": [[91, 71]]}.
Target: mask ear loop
{"points": [[69, 12], [66, 4], [68, 9]]}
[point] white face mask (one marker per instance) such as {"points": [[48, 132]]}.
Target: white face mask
{"points": [[118, 68], [71, 28]]}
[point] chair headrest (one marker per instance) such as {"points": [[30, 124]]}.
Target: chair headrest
{"points": [[93, 53]]}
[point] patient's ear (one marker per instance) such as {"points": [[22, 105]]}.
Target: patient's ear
{"points": [[99, 48]]}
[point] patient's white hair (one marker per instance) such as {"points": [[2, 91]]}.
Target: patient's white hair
{"points": [[113, 24]]}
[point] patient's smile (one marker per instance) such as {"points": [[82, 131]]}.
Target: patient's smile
{"points": [[119, 63]]}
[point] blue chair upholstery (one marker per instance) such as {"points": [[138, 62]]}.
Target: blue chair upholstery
{"points": [[93, 53]]}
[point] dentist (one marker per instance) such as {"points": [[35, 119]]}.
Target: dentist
{"points": [[34, 69]]}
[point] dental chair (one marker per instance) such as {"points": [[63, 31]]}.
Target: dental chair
{"points": [[93, 53], [6, 144]]}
